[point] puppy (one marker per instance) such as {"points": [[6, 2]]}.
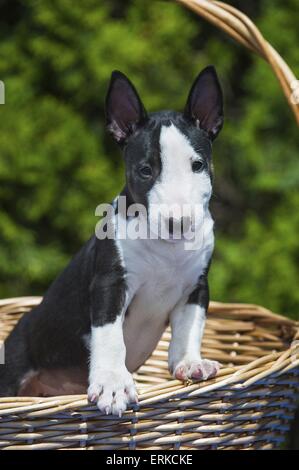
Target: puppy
{"points": [[105, 313]]}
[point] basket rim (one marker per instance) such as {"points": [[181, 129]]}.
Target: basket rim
{"points": [[242, 29], [237, 378]]}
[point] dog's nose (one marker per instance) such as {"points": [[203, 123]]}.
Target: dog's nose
{"points": [[179, 226]]}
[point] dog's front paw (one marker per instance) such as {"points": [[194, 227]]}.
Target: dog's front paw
{"points": [[112, 391], [196, 368]]}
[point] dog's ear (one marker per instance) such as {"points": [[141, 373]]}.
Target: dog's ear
{"points": [[124, 109], [205, 102]]}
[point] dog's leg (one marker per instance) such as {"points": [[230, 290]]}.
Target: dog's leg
{"points": [[187, 324], [111, 385]]}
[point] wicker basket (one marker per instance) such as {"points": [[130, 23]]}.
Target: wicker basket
{"points": [[248, 405]]}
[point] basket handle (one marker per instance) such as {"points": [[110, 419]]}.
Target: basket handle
{"points": [[244, 31]]}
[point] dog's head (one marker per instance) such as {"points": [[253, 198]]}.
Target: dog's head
{"points": [[167, 154]]}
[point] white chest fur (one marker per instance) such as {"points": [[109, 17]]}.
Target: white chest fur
{"points": [[160, 274]]}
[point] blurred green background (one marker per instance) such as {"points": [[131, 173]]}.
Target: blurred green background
{"points": [[57, 164]]}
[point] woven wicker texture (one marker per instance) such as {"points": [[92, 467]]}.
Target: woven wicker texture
{"points": [[248, 405]]}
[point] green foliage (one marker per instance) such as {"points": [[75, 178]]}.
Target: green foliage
{"points": [[57, 164]]}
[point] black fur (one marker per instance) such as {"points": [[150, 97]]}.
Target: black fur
{"points": [[88, 292], [143, 148], [200, 295]]}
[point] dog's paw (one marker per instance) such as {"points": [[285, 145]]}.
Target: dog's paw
{"points": [[197, 369], [112, 391]]}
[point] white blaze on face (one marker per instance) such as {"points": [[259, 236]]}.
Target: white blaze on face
{"points": [[178, 187]]}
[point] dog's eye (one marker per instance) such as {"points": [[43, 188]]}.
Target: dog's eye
{"points": [[145, 171], [197, 166]]}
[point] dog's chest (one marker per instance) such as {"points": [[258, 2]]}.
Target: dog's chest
{"points": [[161, 288], [159, 276]]}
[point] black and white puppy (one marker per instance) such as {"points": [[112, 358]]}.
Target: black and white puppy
{"points": [[107, 310]]}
